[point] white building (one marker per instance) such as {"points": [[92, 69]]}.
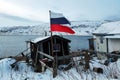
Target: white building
{"points": [[108, 37]]}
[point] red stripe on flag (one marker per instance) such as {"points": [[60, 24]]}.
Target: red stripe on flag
{"points": [[61, 28]]}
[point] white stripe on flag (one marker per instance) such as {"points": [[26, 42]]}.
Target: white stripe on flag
{"points": [[56, 15]]}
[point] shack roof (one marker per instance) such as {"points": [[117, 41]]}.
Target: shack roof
{"points": [[40, 39]]}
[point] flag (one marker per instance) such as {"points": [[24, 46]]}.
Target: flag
{"points": [[59, 23]]}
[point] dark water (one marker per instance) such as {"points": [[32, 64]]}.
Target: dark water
{"points": [[78, 42], [12, 45]]}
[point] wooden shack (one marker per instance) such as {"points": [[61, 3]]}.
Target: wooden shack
{"points": [[42, 46]]}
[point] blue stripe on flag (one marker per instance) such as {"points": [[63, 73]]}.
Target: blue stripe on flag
{"points": [[61, 20]]}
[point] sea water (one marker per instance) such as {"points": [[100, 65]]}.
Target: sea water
{"points": [[11, 45]]}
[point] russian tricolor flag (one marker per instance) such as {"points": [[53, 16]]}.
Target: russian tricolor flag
{"points": [[59, 23]]}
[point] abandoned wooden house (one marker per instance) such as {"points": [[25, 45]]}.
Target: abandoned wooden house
{"points": [[41, 49]]}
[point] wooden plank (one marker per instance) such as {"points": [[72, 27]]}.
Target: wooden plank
{"points": [[107, 54], [75, 54], [64, 57], [46, 55], [113, 55], [22, 52], [43, 64], [70, 56]]}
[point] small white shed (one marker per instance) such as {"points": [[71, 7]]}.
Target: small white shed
{"points": [[108, 37]]}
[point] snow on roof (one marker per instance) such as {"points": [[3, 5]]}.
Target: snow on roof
{"points": [[43, 38], [109, 28], [39, 39], [113, 37]]}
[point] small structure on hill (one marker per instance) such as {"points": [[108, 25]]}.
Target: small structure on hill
{"points": [[41, 49]]}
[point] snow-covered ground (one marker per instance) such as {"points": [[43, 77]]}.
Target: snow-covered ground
{"points": [[25, 72]]}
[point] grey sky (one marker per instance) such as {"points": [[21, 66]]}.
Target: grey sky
{"points": [[33, 11]]}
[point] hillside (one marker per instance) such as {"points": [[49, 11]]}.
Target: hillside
{"points": [[109, 28], [80, 27], [23, 71]]}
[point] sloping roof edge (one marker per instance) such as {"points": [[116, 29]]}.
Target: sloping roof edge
{"points": [[47, 37]]}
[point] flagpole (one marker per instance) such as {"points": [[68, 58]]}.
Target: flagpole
{"points": [[54, 61], [51, 35]]}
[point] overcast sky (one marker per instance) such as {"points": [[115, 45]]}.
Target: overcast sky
{"points": [[28, 12]]}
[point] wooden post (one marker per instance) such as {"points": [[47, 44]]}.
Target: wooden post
{"points": [[55, 62], [36, 57], [63, 52], [55, 67], [87, 58]]}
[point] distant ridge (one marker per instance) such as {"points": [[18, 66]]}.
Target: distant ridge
{"points": [[80, 27]]}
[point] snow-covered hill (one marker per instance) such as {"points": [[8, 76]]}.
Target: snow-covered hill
{"points": [[109, 28], [85, 27], [25, 30], [80, 28]]}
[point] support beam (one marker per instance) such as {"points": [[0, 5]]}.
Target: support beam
{"points": [[46, 55], [44, 65], [70, 56]]}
